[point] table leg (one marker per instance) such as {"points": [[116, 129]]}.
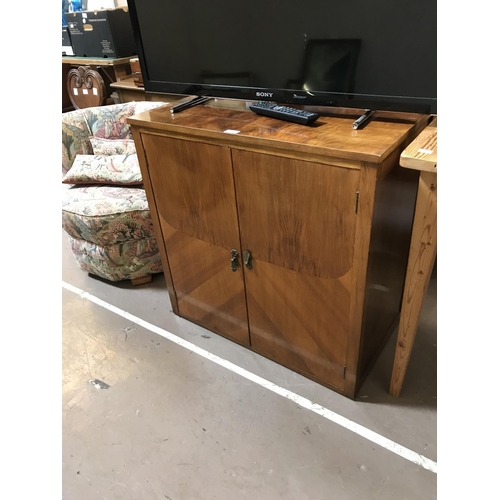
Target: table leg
{"points": [[420, 264]]}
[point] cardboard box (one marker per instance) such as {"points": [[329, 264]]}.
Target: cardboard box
{"points": [[101, 33], [67, 48]]}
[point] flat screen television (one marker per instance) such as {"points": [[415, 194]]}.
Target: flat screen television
{"points": [[371, 54]]}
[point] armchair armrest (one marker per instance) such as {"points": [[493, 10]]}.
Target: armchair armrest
{"points": [[102, 121], [75, 137]]}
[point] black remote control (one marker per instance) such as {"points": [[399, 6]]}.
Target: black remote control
{"points": [[284, 112]]}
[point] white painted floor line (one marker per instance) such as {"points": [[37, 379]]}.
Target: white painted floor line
{"points": [[372, 436]]}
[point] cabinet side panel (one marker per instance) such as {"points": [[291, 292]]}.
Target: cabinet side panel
{"points": [[137, 135], [388, 256], [367, 183]]}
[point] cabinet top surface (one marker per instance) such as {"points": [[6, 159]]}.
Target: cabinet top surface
{"points": [[331, 135]]}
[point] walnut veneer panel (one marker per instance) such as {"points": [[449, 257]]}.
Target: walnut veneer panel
{"points": [[300, 321], [207, 291], [298, 221], [295, 214], [328, 137], [194, 194], [195, 188]]}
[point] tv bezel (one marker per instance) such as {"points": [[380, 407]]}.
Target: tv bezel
{"points": [[409, 104]]}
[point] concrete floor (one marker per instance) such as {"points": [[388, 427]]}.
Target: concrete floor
{"points": [[174, 425]]}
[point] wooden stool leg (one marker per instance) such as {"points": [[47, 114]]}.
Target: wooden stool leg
{"points": [[142, 280], [420, 263]]}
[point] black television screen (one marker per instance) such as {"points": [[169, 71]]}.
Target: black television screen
{"points": [[377, 54]]}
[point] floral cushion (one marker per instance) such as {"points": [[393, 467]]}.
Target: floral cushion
{"points": [[129, 260], [110, 122], [121, 169], [109, 147], [105, 122], [75, 137], [106, 215]]}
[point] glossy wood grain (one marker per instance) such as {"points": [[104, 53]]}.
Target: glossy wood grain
{"points": [[194, 193], [314, 299], [300, 321], [298, 308], [297, 215], [386, 201], [146, 178], [390, 233], [196, 186], [362, 241], [327, 138], [207, 291]]}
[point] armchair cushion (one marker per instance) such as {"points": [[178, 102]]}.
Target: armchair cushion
{"points": [[128, 260], [110, 122], [109, 147], [120, 169], [105, 122], [106, 215], [75, 137]]}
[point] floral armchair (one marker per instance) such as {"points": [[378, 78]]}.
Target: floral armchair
{"points": [[106, 217]]}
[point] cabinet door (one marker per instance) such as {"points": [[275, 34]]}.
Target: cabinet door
{"points": [[193, 189], [297, 220]]}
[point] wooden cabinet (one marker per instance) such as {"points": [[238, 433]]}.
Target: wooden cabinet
{"points": [[289, 240]]}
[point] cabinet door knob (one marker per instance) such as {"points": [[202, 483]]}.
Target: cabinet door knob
{"points": [[234, 260], [247, 259]]}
